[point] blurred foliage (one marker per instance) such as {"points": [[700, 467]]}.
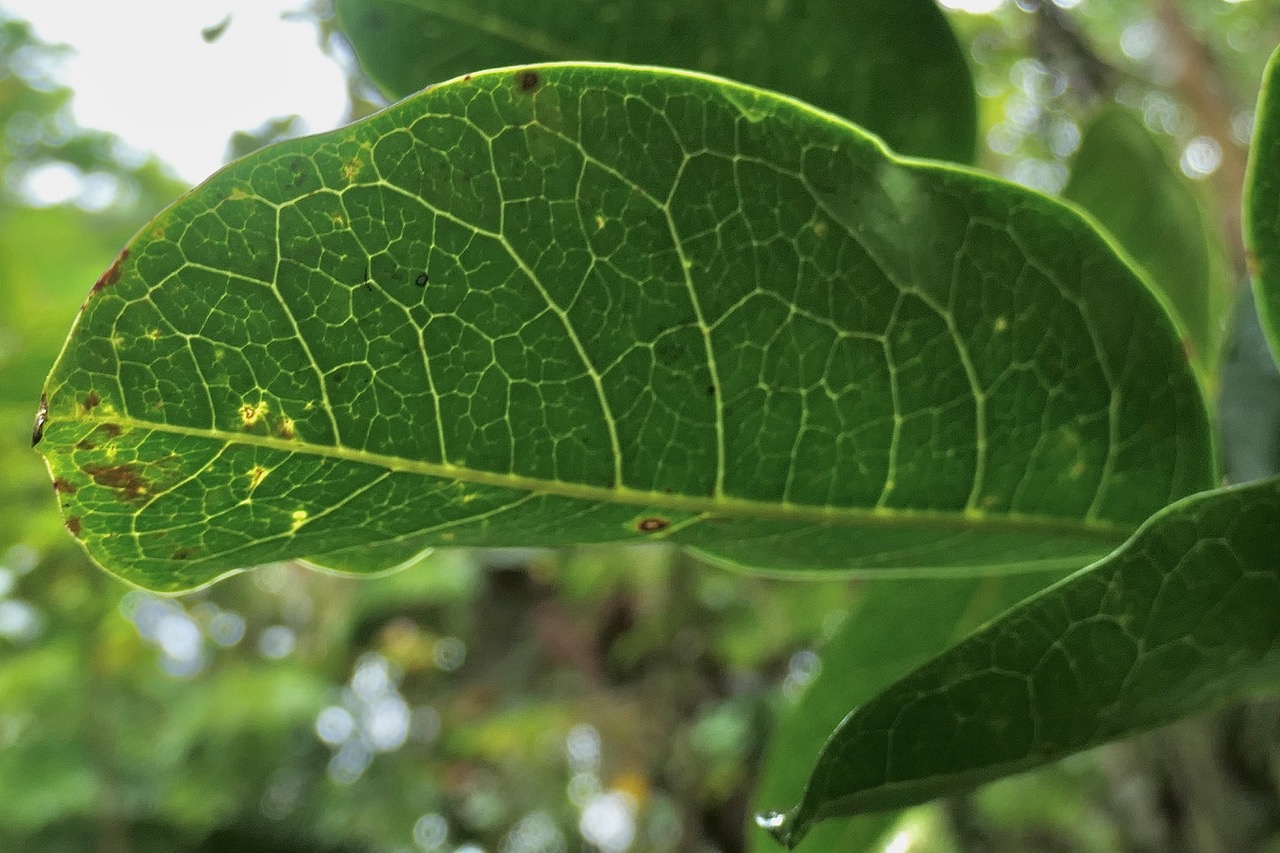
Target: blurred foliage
{"points": [[600, 699]]}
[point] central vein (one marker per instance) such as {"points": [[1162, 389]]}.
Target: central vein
{"points": [[723, 506]]}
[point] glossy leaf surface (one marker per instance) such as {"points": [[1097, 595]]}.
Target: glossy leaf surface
{"points": [[1182, 617], [1123, 177], [568, 304], [891, 66], [895, 627], [1262, 204]]}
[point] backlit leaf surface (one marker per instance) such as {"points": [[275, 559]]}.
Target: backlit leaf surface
{"points": [[1182, 617], [891, 66], [585, 303]]}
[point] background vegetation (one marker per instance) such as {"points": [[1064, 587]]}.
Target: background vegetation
{"points": [[606, 698]]}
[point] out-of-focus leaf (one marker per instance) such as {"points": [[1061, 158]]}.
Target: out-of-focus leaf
{"points": [[1122, 176], [1249, 402], [1182, 617], [892, 66], [1262, 204]]}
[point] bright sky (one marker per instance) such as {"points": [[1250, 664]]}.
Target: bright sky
{"points": [[142, 71]]}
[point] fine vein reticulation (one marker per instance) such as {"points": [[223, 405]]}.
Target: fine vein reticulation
{"points": [[574, 303]]}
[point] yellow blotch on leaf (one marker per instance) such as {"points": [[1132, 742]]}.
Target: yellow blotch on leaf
{"points": [[256, 475], [251, 413], [351, 169], [299, 518]]}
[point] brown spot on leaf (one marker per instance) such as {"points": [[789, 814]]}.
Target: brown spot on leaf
{"points": [[256, 475], [85, 444], [124, 479], [652, 525], [91, 401], [112, 275], [184, 553], [63, 486], [111, 430], [527, 81], [73, 524]]}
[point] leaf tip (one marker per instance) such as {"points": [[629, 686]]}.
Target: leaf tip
{"points": [[785, 828]]}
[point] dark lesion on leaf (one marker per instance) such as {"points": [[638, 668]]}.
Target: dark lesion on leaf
{"points": [[73, 524], [91, 401], [527, 81], [185, 553], [652, 524], [63, 486], [125, 480], [112, 275]]}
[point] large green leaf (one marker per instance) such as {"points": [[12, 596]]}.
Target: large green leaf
{"points": [[892, 66], [1182, 617], [896, 626], [1123, 177], [1262, 204], [582, 303]]}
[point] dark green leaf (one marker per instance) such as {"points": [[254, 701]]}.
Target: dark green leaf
{"points": [[1122, 176], [897, 626], [892, 66], [1262, 204], [569, 304], [1182, 617]]}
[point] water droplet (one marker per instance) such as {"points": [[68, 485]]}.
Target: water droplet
{"points": [[770, 820]]}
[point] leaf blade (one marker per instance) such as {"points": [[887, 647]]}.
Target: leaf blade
{"points": [[1180, 618], [502, 312]]}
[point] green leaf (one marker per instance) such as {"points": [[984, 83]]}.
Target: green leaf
{"points": [[897, 625], [892, 66], [570, 304], [1123, 177], [1182, 617], [1262, 204]]}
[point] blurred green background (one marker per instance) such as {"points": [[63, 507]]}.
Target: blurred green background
{"points": [[603, 699]]}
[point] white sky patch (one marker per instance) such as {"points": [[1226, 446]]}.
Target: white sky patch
{"points": [[142, 71]]}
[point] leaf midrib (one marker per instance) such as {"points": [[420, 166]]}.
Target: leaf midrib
{"points": [[1105, 532]]}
